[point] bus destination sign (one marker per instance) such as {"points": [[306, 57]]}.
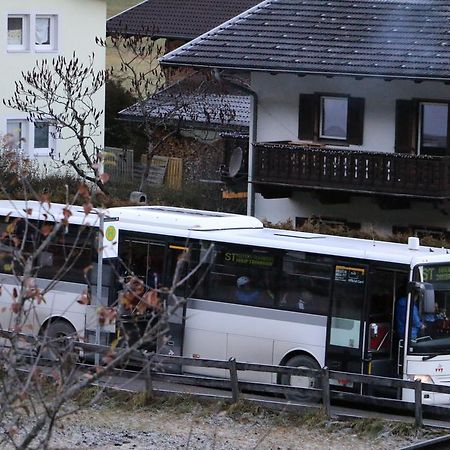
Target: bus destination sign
{"points": [[436, 274], [353, 275], [249, 259]]}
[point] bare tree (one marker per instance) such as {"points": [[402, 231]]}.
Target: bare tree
{"points": [[167, 100], [62, 92], [39, 374]]}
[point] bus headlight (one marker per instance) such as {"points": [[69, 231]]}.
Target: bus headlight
{"points": [[422, 378]]}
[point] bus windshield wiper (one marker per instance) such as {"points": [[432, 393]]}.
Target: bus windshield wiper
{"points": [[426, 358]]}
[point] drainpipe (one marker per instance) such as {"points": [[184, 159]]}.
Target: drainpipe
{"points": [[252, 139]]}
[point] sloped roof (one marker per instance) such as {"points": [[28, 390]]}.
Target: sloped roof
{"points": [[386, 38], [180, 19], [195, 100]]}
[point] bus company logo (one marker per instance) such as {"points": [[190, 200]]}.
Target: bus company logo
{"points": [[110, 233], [439, 369]]}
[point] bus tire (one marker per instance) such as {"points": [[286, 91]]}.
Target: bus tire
{"points": [[292, 380], [55, 330]]}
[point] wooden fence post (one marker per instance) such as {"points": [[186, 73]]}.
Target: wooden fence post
{"points": [[234, 380], [418, 403], [148, 384], [325, 382]]}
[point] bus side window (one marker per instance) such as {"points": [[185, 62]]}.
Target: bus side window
{"points": [[305, 284], [244, 275]]}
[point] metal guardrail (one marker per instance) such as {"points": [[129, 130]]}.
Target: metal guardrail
{"points": [[322, 392], [323, 376]]}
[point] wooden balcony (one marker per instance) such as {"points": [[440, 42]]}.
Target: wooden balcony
{"points": [[292, 167]]}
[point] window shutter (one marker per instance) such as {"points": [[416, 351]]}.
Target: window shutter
{"points": [[447, 150], [355, 121], [405, 126], [307, 128]]}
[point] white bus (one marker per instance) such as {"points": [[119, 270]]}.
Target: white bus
{"points": [[272, 296]]}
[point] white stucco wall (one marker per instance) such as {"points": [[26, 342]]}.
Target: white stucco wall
{"points": [[278, 102], [79, 22]]}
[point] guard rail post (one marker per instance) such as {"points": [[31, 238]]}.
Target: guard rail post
{"points": [[418, 403], [148, 382], [325, 380], [234, 380]]}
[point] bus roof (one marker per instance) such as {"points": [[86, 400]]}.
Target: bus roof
{"points": [[231, 228], [187, 219], [246, 230], [33, 209]]}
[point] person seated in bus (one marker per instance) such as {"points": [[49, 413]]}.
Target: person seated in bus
{"points": [[438, 314], [245, 292], [153, 277], [434, 321], [400, 319]]}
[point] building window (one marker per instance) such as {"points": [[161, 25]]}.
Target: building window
{"points": [[334, 119], [43, 140], [46, 33], [16, 131], [18, 32], [21, 27], [422, 127], [433, 136]]}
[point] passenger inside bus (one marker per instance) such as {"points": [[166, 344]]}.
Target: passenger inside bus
{"points": [[245, 292], [153, 278]]}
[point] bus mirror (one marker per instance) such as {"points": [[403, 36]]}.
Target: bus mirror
{"points": [[426, 296]]}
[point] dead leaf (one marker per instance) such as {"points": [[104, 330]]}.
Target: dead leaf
{"points": [[104, 177], [83, 190], [46, 230], [87, 207]]}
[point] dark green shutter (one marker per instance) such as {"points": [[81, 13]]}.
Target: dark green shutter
{"points": [[308, 120], [355, 121], [406, 126]]}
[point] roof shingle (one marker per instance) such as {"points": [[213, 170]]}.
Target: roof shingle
{"points": [[178, 19], [387, 38]]}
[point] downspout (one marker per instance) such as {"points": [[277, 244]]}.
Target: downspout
{"points": [[253, 133]]}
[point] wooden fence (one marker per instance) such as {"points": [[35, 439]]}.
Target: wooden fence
{"points": [[164, 368], [119, 163], [323, 392]]}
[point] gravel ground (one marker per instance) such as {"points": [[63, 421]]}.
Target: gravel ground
{"points": [[181, 423]]}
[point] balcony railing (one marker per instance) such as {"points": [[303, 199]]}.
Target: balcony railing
{"points": [[398, 174]]}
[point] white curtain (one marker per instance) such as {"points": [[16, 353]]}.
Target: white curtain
{"points": [[43, 31]]}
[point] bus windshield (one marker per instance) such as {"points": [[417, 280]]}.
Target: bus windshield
{"points": [[430, 331]]}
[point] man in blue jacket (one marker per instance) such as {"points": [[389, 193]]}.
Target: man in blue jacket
{"points": [[400, 319]]}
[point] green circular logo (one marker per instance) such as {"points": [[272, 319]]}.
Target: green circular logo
{"points": [[110, 233]]}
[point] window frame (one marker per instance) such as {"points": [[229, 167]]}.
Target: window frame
{"points": [[310, 119], [430, 151], [26, 22], [42, 151], [322, 99], [53, 34], [25, 130]]}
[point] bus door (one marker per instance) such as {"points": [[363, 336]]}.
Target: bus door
{"points": [[381, 353], [346, 329], [177, 266]]}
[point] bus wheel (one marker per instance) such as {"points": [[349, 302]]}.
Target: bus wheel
{"points": [[301, 381], [54, 347]]}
